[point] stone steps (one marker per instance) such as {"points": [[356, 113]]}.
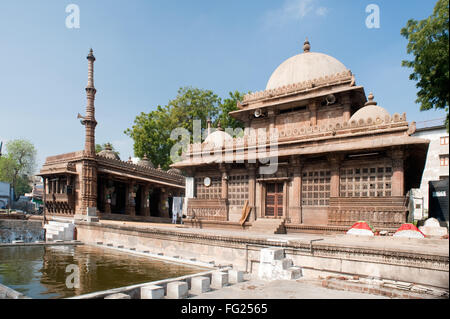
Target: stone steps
{"points": [[274, 266], [268, 226], [59, 230]]}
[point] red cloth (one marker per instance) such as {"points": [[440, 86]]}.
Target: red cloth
{"points": [[409, 227], [362, 225]]}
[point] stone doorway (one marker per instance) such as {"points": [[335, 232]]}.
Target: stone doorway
{"points": [[274, 200]]}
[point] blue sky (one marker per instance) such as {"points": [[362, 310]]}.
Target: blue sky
{"points": [[146, 50]]}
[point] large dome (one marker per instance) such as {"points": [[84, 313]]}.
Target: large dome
{"points": [[305, 67]]}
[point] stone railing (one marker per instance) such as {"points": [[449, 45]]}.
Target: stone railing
{"points": [[208, 209], [62, 204], [303, 132], [387, 212], [343, 77]]}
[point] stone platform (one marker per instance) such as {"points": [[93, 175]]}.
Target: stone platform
{"points": [[419, 261]]}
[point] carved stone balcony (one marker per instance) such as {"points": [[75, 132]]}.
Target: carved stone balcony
{"points": [[60, 204]]}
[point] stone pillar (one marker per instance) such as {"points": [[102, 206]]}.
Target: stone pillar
{"points": [[224, 183], [252, 190], [295, 203], [88, 186], [145, 202], [108, 195], [335, 162], [271, 113], [398, 178], [313, 113], [132, 199], [262, 200], [346, 102], [163, 202]]}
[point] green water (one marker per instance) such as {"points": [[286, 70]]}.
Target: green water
{"points": [[40, 272]]}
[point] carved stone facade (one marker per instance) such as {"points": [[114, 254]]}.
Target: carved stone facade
{"points": [[340, 157], [80, 181]]}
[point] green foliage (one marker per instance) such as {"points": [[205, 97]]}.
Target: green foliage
{"points": [[22, 185], [229, 105], [18, 166], [7, 165], [151, 131], [429, 43]]}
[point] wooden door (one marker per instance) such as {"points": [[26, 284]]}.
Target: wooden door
{"points": [[274, 200]]}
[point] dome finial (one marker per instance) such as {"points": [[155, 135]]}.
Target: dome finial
{"points": [[371, 100], [306, 46]]}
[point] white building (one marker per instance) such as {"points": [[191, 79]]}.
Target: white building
{"points": [[436, 167]]}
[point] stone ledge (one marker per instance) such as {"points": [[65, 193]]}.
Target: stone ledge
{"points": [[320, 249]]}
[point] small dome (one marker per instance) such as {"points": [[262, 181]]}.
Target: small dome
{"points": [[303, 67], [218, 138], [371, 109], [109, 153], [175, 171], [145, 162]]}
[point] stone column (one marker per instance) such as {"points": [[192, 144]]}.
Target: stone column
{"points": [[295, 203], [398, 178], [252, 190], [224, 182], [145, 202], [313, 113], [346, 102], [335, 162], [262, 201], [88, 186], [107, 195], [164, 211], [132, 199], [272, 114]]}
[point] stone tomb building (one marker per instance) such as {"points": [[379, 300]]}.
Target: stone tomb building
{"points": [[102, 182], [341, 157]]}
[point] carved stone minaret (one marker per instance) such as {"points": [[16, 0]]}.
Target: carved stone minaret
{"points": [[89, 167], [89, 120]]}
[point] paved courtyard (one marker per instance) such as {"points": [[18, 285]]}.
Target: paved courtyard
{"points": [[282, 289]]}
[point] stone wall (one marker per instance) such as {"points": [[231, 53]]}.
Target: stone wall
{"points": [[243, 252], [28, 231]]}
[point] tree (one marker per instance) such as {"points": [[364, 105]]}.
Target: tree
{"points": [[429, 43], [151, 131], [229, 105], [19, 165]]}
